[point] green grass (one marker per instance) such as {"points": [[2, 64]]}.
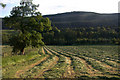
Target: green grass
{"points": [[95, 64], [11, 64], [58, 69], [95, 56], [10, 70], [113, 64], [36, 69], [6, 50], [79, 67], [9, 60], [98, 52], [92, 54]]}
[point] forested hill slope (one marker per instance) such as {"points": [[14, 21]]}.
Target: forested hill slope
{"points": [[83, 19]]}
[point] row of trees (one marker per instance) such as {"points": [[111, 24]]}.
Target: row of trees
{"points": [[82, 35]]}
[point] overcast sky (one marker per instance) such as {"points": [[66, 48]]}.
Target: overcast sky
{"points": [[60, 6]]}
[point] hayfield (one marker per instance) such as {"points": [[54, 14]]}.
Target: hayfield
{"points": [[88, 61]]}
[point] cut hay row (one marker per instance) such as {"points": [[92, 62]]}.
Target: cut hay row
{"points": [[38, 70], [94, 65], [21, 72], [65, 69], [84, 67], [64, 62]]}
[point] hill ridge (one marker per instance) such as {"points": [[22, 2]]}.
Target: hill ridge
{"points": [[83, 19]]}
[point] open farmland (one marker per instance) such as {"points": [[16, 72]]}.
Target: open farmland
{"points": [[91, 61]]}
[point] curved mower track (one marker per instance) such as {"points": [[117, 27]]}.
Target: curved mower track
{"points": [[55, 56], [69, 72], [18, 73], [40, 75], [52, 64], [93, 71]]}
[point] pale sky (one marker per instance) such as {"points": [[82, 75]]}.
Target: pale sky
{"points": [[60, 6]]}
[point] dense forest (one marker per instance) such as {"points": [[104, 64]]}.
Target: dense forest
{"points": [[83, 35]]}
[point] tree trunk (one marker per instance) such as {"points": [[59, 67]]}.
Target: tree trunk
{"points": [[22, 51]]}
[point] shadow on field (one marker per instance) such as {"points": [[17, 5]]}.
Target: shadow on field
{"points": [[79, 78]]}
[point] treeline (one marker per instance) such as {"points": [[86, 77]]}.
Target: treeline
{"points": [[75, 36], [83, 35]]}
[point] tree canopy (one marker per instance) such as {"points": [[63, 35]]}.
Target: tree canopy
{"points": [[30, 26]]}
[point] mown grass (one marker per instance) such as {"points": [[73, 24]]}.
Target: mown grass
{"points": [[99, 52], [58, 70], [91, 54], [95, 64], [111, 63], [6, 50], [10, 71], [79, 67], [9, 60], [11, 64], [38, 68], [94, 55]]}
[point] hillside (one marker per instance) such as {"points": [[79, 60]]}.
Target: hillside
{"points": [[83, 19]]}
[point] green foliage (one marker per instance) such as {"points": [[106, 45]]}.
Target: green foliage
{"points": [[84, 35], [3, 5], [6, 35], [27, 8], [29, 24]]}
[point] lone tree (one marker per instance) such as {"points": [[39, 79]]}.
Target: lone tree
{"points": [[29, 24]]}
